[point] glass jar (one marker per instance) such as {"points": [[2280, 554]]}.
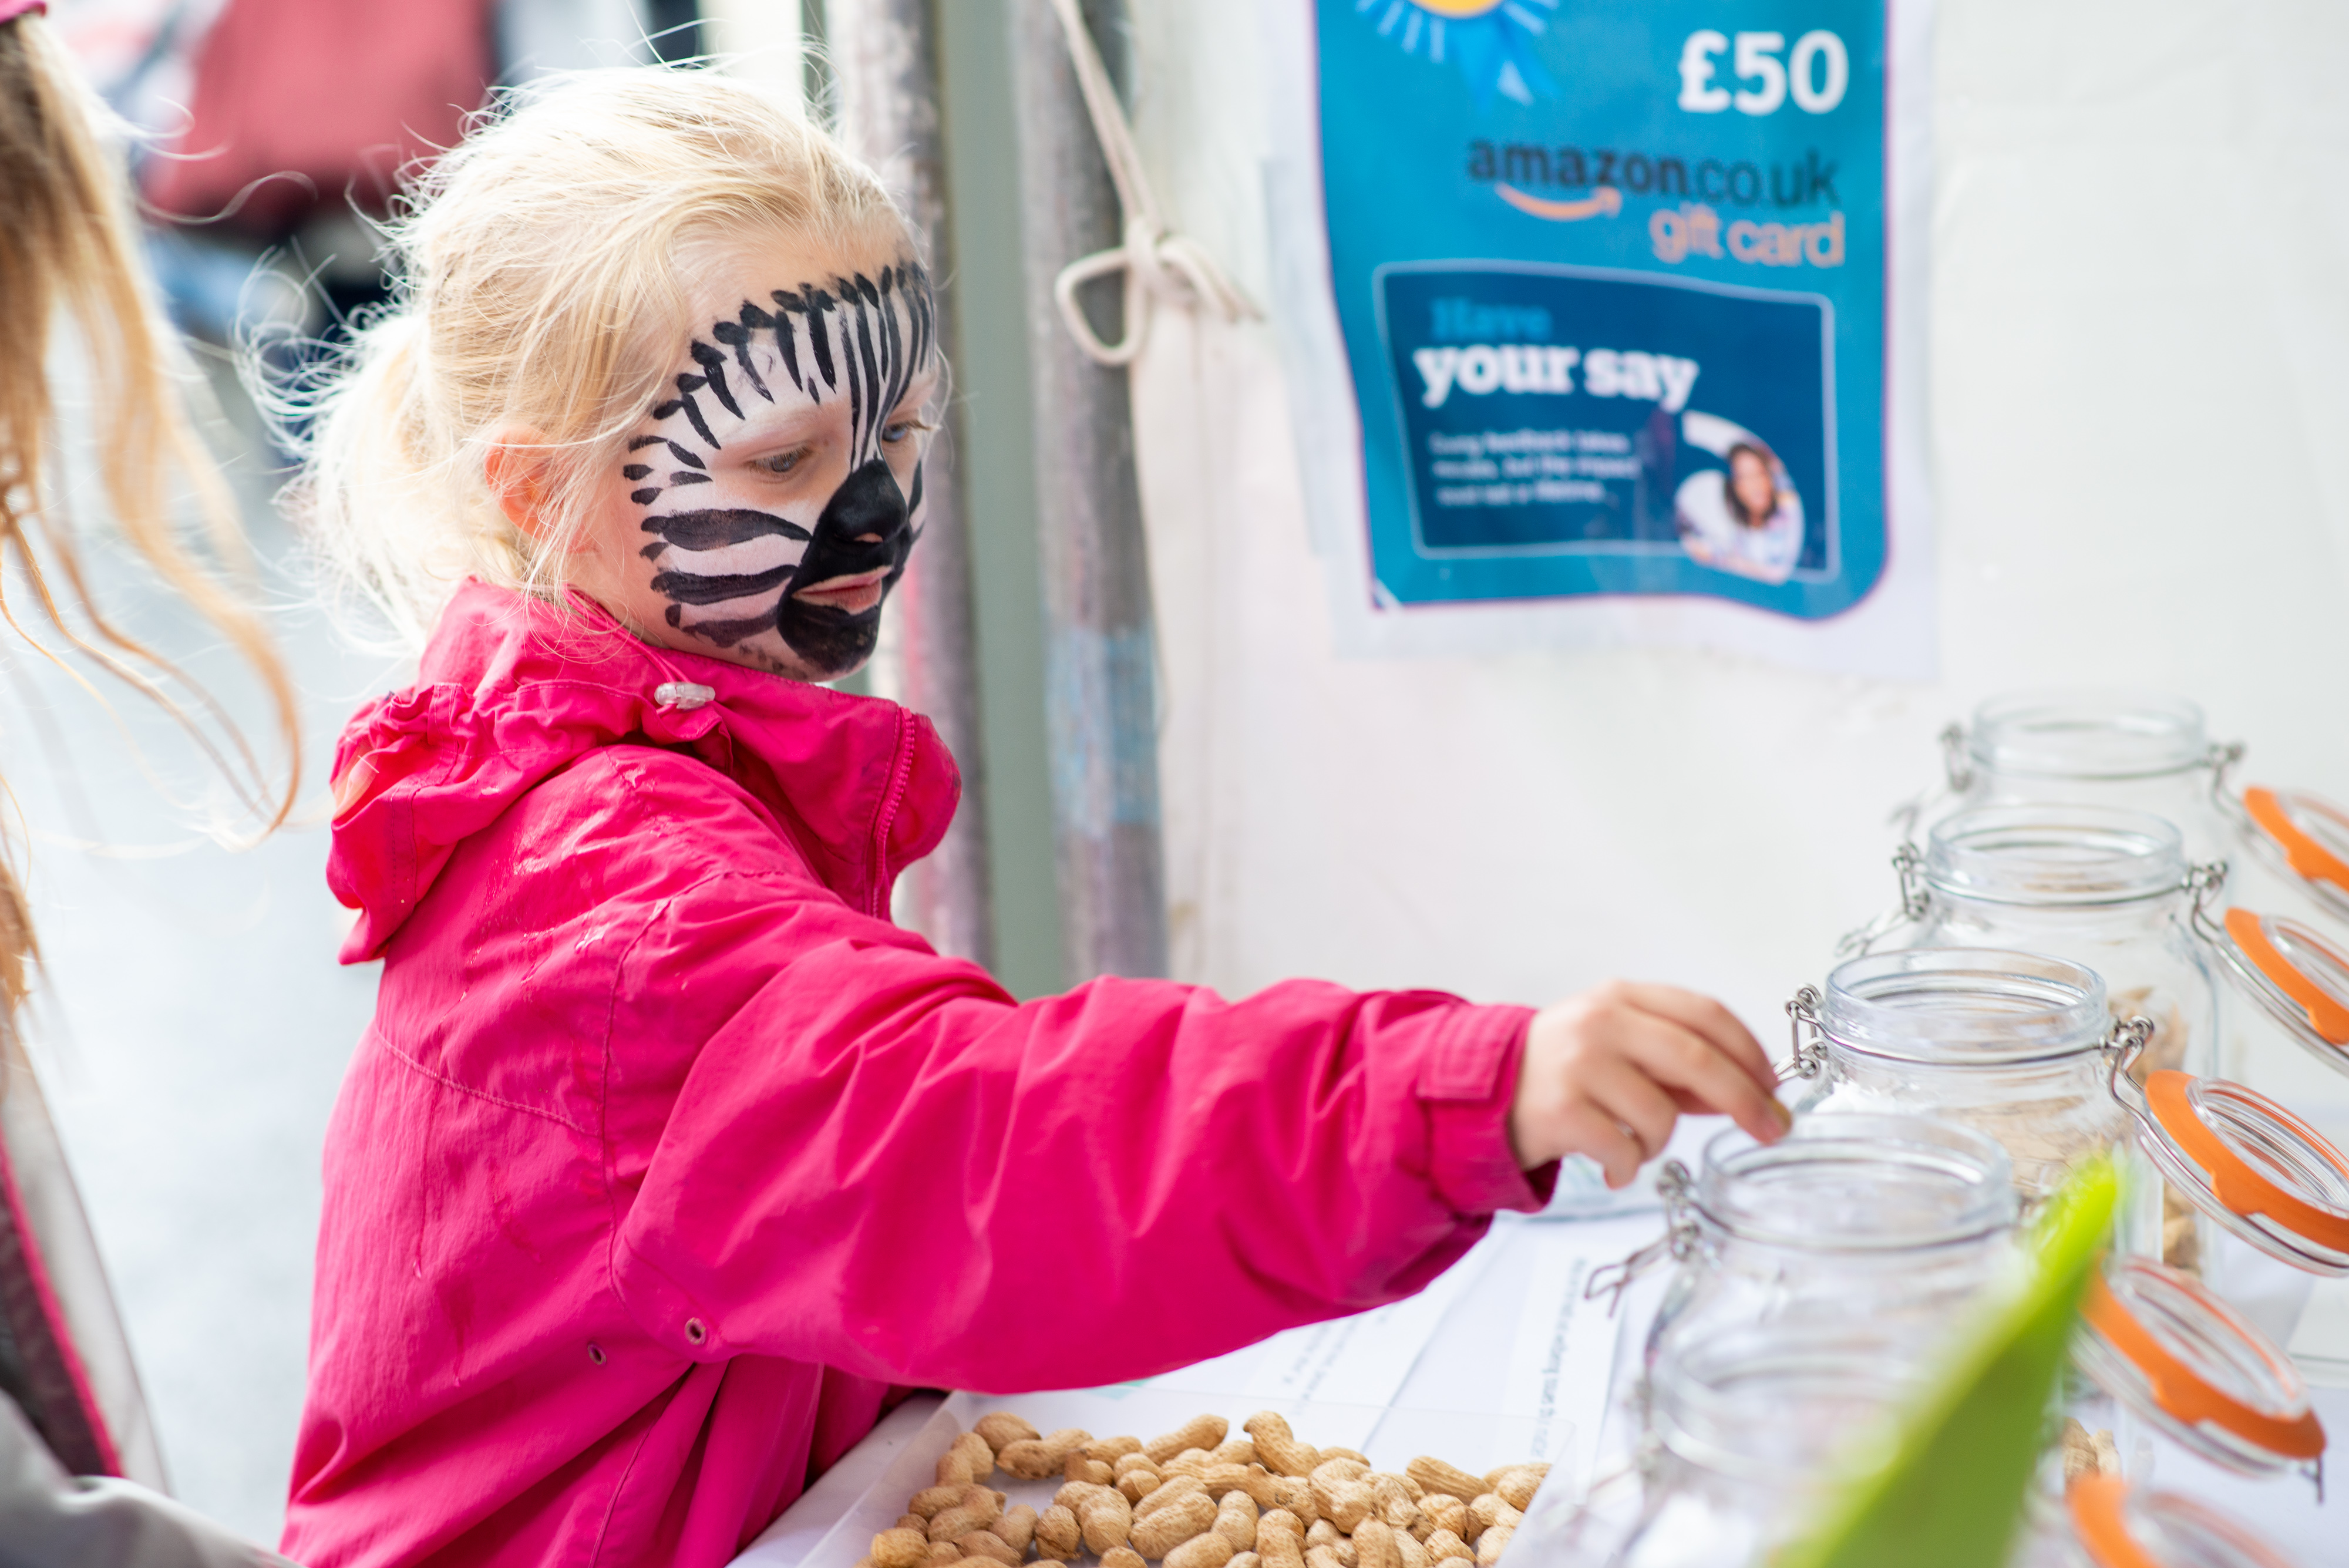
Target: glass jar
{"points": [[2104, 1522], [2102, 886], [1895, 1219], [1750, 1424], [2105, 887], [2008, 1044], [2167, 1358], [2139, 751]]}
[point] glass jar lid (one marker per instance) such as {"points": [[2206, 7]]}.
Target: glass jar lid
{"points": [[2305, 834], [2120, 1526], [1964, 1007], [2079, 857], [2247, 1162], [2190, 1365], [2296, 976], [1859, 1183], [2087, 735]]}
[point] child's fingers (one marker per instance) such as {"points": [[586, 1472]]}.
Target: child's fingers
{"points": [[1682, 1059], [1634, 1099], [1589, 1130], [1711, 1022]]}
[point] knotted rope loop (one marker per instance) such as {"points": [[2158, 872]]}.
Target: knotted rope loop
{"points": [[1157, 264]]}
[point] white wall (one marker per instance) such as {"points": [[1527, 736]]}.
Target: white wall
{"points": [[2139, 300]]}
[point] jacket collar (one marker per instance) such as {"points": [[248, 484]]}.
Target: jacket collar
{"points": [[512, 688]]}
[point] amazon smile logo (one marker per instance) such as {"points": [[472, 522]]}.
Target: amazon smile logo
{"points": [[1604, 203]]}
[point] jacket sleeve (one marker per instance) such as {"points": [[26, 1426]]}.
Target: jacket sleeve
{"points": [[51, 1520], [881, 1163]]}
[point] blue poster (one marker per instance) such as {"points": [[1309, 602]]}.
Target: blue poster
{"points": [[1611, 279]]}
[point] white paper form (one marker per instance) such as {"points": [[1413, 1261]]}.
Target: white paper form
{"points": [[1356, 1361], [1364, 1359], [1563, 1355]]}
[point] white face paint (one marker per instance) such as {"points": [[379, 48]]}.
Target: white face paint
{"points": [[768, 503]]}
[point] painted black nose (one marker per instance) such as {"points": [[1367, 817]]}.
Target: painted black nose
{"points": [[868, 513]]}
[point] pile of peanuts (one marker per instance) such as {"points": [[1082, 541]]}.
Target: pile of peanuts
{"points": [[1193, 1499]]}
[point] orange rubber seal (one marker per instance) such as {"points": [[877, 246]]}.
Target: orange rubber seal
{"points": [[2238, 1185], [2186, 1397], [2095, 1501], [2301, 852], [2326, 1015]]}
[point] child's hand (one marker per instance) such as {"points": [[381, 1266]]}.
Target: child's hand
{"points": [[1605, 1073]]}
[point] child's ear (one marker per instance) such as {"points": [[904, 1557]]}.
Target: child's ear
{"points": [[516, 467]]}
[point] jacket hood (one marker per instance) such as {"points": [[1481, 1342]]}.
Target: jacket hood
{"points": [[514, 689]]}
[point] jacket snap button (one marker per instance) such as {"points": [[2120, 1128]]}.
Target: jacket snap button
{"points": [[684, 695], [596, 1353], [694, 1332]]}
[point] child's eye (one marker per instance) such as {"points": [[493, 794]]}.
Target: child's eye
{"points": [[783, 461], [899, 430]]}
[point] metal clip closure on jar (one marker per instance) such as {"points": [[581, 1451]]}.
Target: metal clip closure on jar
{"points": [[2005, 1042], [2195, 1370], [2120, 1526], [2244, 1160], [1611, 1280]]}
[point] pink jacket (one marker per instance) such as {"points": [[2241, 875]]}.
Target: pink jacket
{"points": [[666, 1155]]}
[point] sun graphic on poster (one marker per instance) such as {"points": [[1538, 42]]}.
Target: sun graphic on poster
{"points": [[1489, 40]]}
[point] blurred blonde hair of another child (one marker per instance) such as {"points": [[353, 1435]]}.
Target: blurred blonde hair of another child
{"points": [[69, 1400]]}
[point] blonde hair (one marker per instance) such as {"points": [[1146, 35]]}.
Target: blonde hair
{"points": [[538, 292], [69, 240]]}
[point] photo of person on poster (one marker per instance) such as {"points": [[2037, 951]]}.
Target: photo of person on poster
{"points": [[1745, 518]]}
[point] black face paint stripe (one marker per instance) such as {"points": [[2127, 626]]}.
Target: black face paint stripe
{"points": [[819, 340], [647, 496], [713, 530], [688, 477], [785, 303], [787, 340], [713, 367], [691, 588], [857, 387], [689, 385], [893, 345], [683, 453], [726, 633], [639, 442], [635, 470]]}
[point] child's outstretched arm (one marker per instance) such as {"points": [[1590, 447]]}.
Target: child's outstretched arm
{"points": [[884, 1164]]}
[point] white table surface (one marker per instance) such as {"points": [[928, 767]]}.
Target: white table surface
{"points": [[1466, 1384]]}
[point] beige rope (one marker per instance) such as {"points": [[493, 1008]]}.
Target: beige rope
{"points": [[1152, 259]]}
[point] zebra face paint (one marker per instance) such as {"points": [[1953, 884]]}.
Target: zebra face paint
{"points": [[776, 483]]}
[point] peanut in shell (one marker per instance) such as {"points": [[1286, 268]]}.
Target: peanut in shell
{"points": [[1199, 1432], [1208, 1551], [1164, 1528]]}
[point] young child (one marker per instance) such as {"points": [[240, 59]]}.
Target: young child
{"points": [[667, 1159]]}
